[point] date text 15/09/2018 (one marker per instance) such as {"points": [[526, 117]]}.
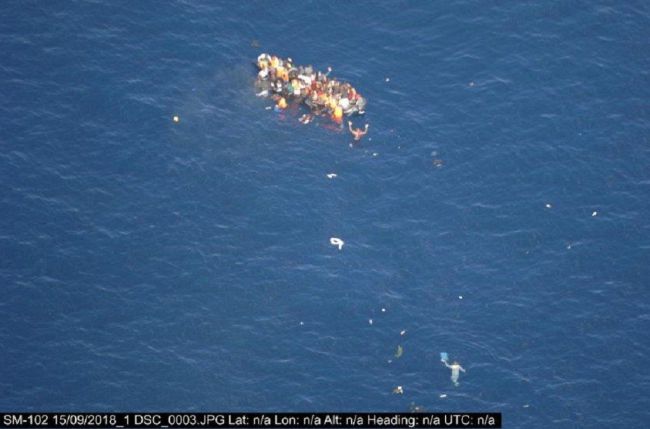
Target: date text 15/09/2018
{"points": [[249, 420]]}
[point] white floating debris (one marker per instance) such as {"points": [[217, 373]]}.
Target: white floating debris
{"points": [[331, 175], [548, 206], [302, 323], [387, 79], [460, 296], [398, 390], [370, 321], [269, 107], [403, 332], [526, 406], [383, 310], [375, 154], [337, 242], [443, 395], [176, 119], [594, 214]]}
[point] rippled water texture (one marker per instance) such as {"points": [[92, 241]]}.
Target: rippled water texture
{"points": [[496, 211]]}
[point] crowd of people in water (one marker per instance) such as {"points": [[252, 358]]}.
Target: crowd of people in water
{"points": [[286, 82]]}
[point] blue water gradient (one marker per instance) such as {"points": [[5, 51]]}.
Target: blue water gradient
{"points": [[149, 265]]}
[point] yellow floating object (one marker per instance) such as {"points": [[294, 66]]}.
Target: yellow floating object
{"points": [[338, 112], [282, 103]]}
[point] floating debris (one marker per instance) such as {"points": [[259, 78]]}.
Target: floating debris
{"points": [[594, 214], [370, 321], [403, 332], [399, 352], [337, 242], [398, 390], [416, 408], [443, 395], [176, 119], [331, 175]]}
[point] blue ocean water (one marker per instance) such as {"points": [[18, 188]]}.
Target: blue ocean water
{"points": [[497, 210]]}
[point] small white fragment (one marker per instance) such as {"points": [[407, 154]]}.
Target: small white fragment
{"points": [[398, 390], [390, 361], [548, 206], [443, 395], [331, 175], [387, 79], [403, 332], [369, 139], [375, 154], [337, 242], [383, 310], [594, 214], [370, 321], [302, 323], [460, 296], [526, 406], [176, 119], [269, 107]]}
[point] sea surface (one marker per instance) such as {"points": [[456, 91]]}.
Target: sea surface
{"points": [[498, 210]]}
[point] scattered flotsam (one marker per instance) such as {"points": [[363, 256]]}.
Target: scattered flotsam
{"points": [[176, 119], [594, 214], [331, 175], [334, 241], [403, 332], [383, 310], [398, 390]]}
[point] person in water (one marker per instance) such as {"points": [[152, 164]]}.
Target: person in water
{"points": [[455, 368], [358, 132]]}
